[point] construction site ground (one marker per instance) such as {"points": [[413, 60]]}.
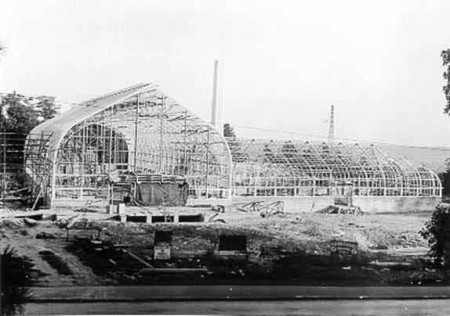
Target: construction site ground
{"points": [[284, 248]]}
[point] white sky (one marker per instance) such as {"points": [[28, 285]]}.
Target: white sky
{"points": [[283, 62]]}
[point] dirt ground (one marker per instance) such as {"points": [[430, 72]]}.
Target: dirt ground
{"points": [[23, 239], [388, 231], [307, 232]]}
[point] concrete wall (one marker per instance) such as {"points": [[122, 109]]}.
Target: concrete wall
{"points": [[383, 204], [369, 204]]}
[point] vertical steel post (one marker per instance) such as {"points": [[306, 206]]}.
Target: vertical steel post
{"points": [[136, 123], [185, 143], [161, 134], [110, 141], [207, 162], [83, 156]]}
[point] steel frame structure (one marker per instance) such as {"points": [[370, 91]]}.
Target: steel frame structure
{"points": [[141, 131], [288, 168], [137, 130]]}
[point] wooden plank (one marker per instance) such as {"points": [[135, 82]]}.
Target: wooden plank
{"points": [[139, 259]]}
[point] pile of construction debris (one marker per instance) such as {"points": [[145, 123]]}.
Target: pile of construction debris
{"points": [[341, 209]]}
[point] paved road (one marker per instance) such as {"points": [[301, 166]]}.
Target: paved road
{"points": [[316, 307], [241, 300], [231, 292]]}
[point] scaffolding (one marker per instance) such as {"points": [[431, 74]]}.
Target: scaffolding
{"points": [[38, 164], [139, 131], [12, 159], [19, 159]]}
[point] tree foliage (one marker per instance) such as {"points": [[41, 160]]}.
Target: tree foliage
{"points": [[437, 234], [47, 107], [16, 276], [228, 131], [445, 178], [21, 114], [445, 54]]}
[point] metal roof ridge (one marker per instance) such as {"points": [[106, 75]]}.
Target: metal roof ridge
{"points": [[134, 87]]}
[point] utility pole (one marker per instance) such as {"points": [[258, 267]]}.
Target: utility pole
{"points": [[331, 128]]}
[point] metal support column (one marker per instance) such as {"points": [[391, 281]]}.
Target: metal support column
{"points": [[136, 123]]}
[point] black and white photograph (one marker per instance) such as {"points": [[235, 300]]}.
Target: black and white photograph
{"points": [[224, 157]]}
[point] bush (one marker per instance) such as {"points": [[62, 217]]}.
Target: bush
{"points": [[436, 233], [16, 275]]}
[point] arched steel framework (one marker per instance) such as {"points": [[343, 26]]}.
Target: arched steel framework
{"points": [[287, 168], [140, 130]]}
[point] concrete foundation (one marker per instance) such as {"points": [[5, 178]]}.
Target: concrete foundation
{"points": [[369, 204], [170, 218], [293, 204], [396, 204]]}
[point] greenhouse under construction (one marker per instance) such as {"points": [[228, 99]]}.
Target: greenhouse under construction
{"points": [[138, 143]]}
